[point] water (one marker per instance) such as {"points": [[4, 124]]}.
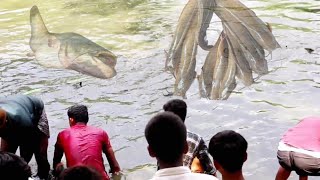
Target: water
{"points": [[139, 31]]}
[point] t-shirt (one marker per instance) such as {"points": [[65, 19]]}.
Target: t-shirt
{"points": [[23, 113], [83, 145], [180, 173], [305, 135]]}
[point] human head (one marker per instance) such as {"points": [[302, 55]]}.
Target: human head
{"points": [[80, 173], [13, 167], [178, 107], [166, 136], [228, 150], [78, 113], [3, 118]]}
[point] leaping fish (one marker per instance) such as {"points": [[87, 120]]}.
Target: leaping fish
{"points": [[69, 50]]}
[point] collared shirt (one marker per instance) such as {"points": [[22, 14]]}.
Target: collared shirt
{"points": [[181, 172], [198, 148], [82, 145]]}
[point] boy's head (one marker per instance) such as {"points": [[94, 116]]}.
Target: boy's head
{"points": [[13, 167], [80, 172], [166, 136], [178, 107], [228, 150], [78, 113]]}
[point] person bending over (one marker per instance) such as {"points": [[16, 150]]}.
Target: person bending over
{"points": [[229, 151], [24, 124], [13, 167], [166, 135], [196, 145], [83, 144], [299, 150]]}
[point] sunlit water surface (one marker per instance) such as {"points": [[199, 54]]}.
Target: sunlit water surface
{"points": [[139, 31]]}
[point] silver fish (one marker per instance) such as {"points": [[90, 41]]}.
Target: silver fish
{"points": [[208, 68], [69, 50], [220, 67], [258, 29]]}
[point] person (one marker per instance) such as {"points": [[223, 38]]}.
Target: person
{"points": [[299, 150], [166, 135], [13, 167], [24, 124], [229, 151], [83, 144], [80, 173], [198, 152]]}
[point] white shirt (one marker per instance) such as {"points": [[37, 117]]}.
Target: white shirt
{"points": [[179, 173], [284, 147]]}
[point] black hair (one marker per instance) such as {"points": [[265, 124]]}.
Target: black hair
{"points": [[80, 173], [229, 149], [178, 107], [166, 136], [13, 167], [79, 113]]}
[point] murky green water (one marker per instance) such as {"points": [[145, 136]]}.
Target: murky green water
{"points": [[139, 31]]}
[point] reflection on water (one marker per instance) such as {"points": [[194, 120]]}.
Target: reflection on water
{"points": [[138, 33]]}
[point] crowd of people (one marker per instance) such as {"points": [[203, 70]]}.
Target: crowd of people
{"points": [[180, 153]]}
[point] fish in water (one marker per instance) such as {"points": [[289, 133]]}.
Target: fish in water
{"points": [[69, 50]]}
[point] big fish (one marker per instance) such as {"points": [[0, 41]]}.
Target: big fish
{"points": [[181, 58], [69, 50]]}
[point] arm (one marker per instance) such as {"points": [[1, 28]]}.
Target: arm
{"points": [[58, 153], [203, 156], [108, 151]]}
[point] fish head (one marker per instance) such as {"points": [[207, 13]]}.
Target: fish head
{"points": [[109, 60]]}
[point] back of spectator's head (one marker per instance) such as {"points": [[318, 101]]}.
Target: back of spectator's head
{"points": [[166, 136], [13, 167], [79, 113], [229, 150], [178, 107], [80, 173]]}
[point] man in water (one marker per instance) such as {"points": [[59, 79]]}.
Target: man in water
{"points": [[83, 144], [24, 124], [167, 142], [196, 145], [299, 150], [229, 151]]}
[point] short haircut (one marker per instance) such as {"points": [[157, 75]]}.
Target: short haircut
{"points": [[80, 173], [229, 149], [13, 167], [166, 136], [178, 107], [79, 113]]}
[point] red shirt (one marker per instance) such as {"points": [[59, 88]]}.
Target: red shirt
{"points": [[82, 145], [305, 135]]}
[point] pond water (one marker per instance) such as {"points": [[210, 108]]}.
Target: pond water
{"points": [[138, 32]]}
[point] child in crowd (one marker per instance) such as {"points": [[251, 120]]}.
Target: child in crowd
{"points": [[13, 167], [166, 135], [197, 148], [229, 151]]}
